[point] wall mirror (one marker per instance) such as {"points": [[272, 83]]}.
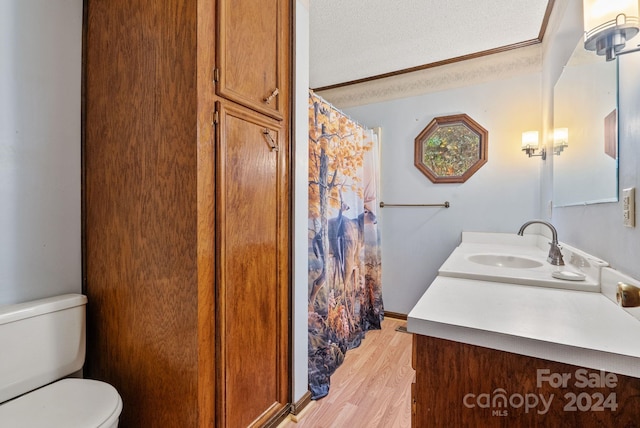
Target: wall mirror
{"points": [[585, 146], [451, 149]]}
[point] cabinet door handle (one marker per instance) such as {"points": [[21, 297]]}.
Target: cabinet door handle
{"points": [[272, 96], [270, 140]]}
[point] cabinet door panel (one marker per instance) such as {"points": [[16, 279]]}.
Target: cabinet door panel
{"points": [[252, 281], [452, 378], [252, 43]]}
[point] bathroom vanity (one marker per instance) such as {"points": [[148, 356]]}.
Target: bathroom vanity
{"points": [[499, 341]]}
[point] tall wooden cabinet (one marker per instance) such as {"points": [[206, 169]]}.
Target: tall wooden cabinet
{"points": [[186, 208]]}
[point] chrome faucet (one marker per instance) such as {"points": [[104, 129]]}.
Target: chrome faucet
{"points": [[555, 255]]}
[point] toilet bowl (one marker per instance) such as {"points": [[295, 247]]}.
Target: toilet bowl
{"points": [[42, 342], [67, 403]]}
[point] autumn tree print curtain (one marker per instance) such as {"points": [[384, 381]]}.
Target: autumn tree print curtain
{"points": [[345, 293]]}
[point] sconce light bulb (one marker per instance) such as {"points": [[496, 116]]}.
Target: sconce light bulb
{"points": [[561, 137], [530, 140]]}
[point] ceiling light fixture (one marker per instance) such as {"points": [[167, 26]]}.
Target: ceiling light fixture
{"points": [[609, 24]]}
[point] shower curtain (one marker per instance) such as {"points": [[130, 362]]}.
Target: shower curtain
{"points": [[345, 292]]}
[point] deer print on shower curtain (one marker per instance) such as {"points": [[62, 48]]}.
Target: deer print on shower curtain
{"points": [[345, 295]]}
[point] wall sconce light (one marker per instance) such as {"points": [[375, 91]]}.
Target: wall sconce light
{"points": [[609, 24], [560, 140], [530, 144]]}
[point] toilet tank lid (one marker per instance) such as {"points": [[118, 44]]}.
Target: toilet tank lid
{"points": [[19, 311]]}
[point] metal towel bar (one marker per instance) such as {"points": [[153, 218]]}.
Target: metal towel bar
{"points": [[445, 205]]}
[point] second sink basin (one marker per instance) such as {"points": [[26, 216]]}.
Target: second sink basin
{"points": [[503, 260]]}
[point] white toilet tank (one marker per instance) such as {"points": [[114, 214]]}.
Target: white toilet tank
{"points": [[41, 341]]}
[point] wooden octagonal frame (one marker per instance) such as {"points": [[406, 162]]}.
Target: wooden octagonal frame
{"points": [[451, 149]]}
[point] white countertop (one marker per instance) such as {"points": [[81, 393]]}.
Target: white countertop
{"points": [[574, 327], [582, 328]]}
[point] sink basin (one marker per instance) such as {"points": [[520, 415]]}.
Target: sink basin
{"points": [[520, 260], [506, 261]]}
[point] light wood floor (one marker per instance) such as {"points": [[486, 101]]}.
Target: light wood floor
{"points": [[372, 387]]}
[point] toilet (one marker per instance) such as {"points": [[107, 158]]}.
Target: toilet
{"points": [[42, 342]]}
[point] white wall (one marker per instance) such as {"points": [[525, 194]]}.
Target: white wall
{"points": [[301, 208], [40, 78], [598, 228], [500, 197]]}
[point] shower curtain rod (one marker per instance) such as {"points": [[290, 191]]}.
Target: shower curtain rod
{"points": [[444, 205]]}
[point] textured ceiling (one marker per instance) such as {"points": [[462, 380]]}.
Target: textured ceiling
{"points": [[356, 39]]}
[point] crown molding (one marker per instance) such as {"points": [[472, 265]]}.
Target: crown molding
{"points": [[482, 69]]}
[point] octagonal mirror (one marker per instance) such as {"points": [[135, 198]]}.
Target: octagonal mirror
{"points": [[451, 149]]}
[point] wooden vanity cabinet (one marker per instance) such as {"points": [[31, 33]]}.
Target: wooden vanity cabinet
{"points": [[460, 385], [186, 206]]}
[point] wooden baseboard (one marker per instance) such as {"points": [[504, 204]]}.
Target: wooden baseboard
{"points": [[308, 409], [298, 409], [395, 315], [277, 419], [299, 406]]}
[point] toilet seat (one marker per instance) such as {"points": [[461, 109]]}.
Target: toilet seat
{"points": [[67, 403]]}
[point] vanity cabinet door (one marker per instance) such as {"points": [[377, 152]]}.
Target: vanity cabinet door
{"points": [[252, 281], [252, 49], [462, 385], [413, 385]]}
